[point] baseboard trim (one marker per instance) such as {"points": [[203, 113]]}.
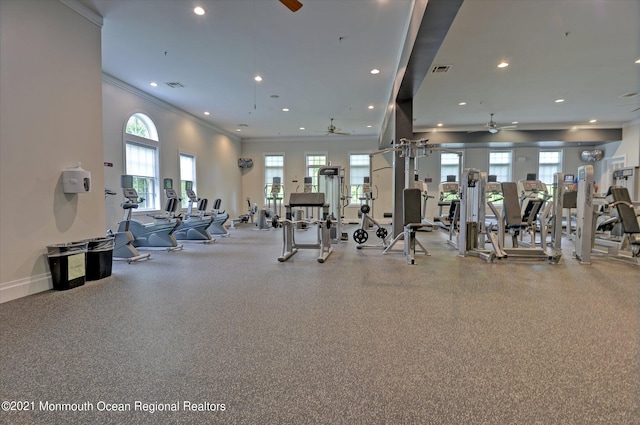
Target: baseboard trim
{"points": [[13, 290]]}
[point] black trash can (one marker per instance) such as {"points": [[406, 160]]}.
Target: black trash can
{"points": [[99, 257], [67, 262]]}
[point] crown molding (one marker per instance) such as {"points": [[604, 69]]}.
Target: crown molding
{"points": [[107, 78], [83, 11]]}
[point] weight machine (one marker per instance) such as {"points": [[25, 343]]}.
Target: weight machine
{"points": [[245, 218], [411, 151], [290, 247], [472, 225], [624, 241], [514, 221], [331, 183], [493, 193], [360, 235], [585, 223]]}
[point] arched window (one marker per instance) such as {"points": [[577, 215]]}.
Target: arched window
{"points": [[141, 159], [142, 126]]}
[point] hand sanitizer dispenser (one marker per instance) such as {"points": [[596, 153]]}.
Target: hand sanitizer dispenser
{"points": [[76, 180]]}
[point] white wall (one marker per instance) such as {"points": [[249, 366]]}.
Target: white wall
{"points": [[51, 115], [217, 172], [525, 160], [628, 149], [337, 149]]}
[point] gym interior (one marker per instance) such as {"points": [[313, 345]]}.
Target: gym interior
{"points": [[450, 314]]}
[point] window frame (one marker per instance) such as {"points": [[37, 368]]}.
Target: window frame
{"points": [[354, 187], [559, 164], [443, 177], [308, 166], [184, 203], [267, 184], [151, 143], [510, 164]]}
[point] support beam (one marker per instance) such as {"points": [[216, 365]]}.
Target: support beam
{"points": [[403, 129]]}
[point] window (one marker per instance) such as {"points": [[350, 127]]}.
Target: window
{"points": [[141, 159], [142, 126], [500, 165], [187, 173], [358, 170], [449, 166], [314, 162], [549, 163], [273, 167]]}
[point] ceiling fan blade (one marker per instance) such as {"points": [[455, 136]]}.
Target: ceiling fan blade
{"points": [[508, 127], [292, 5]]}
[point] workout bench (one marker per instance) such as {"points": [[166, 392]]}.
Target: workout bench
{"points": [[412, 221], [290, 247]]}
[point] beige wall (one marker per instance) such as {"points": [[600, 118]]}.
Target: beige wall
{"points": [[525, 161], [337, 149], [51, 119], [217, 172]]}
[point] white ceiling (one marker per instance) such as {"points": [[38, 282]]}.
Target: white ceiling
{"points": [[317, 62], [583, 51]]}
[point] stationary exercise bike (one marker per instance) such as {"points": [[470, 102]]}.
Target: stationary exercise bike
{"points": [[219, 218], [123, 238], [195, 225], [159, 233]]}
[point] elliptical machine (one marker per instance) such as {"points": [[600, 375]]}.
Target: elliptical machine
{"points": [[159, 233], [194, 226]]}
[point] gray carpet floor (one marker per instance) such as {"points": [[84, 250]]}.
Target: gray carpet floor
{"points": [[361, 339]]}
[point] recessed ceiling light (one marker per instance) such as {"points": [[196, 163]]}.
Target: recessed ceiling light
{"points": [[503, 64], [375, 71], [302, 128], [638, 61], [285, 109], [514, 122], [462, 103], [237, 129], [559, 100], [198, 11], [440, 124], [206, 113], [369, 126], [153, 84], [592, 121], [370, 106], [258, 78]]}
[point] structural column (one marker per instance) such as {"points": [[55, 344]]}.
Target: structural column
{"points": [[403, 129]]}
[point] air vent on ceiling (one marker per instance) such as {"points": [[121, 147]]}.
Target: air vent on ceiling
{"points": [[439, 69], [175, 85]]}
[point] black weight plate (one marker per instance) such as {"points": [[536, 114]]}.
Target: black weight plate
{"points": [[360, 236]]}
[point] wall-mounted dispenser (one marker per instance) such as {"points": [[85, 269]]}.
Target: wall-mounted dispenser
{"points": [[76, 180]]}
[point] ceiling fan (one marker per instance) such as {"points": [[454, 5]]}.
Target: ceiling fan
{"points": [[292, 5], [493, 127], [332, 129]]}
